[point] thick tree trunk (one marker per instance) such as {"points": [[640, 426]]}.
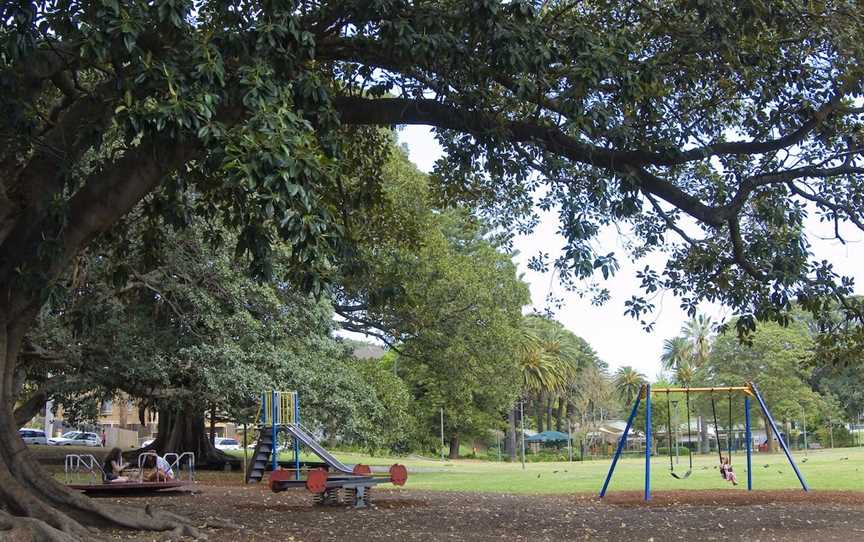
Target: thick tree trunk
{"points": [[549, 412], [213, 425], [704, 445], [30, 408], [454, 447], [35, 506], [538, 412], [559, 415], [511, 434], [772, 442], [183, 431]]}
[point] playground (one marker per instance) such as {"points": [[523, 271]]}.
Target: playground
{"points": [[690, 497], [252, 514], [485, 500]]}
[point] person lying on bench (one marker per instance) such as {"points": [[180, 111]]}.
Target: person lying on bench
{"points": [[113, 467], [162, 473]]}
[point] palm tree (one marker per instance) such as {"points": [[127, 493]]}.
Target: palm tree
{"points": [[698, 332], [677, 352], [550, 358], [540, 371], [684, 375], [628, 383], [687, 353], [571, 355]]}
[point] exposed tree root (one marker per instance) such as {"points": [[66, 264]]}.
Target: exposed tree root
{"points": [[25, 529], [53, 525], [35, 506], [17, 529]]}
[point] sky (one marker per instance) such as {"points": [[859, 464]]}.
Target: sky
{"points": [[619, 339]]}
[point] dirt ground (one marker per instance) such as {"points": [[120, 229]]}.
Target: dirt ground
{"points": [[253, 513]]}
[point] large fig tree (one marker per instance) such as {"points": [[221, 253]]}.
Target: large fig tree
{"points": [[710, 130]]}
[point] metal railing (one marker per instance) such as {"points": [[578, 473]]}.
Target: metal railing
{"points": [[77, 465], [278, 407], [176, 461], [85, 468]]}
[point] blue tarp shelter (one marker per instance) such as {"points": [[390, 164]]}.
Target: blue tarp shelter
{"points": [[548, 436]]}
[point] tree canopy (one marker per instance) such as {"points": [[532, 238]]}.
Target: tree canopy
{"points": [[710, 131]]}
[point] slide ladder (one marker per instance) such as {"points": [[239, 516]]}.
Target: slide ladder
{"points": [[262, 456], [297, 431]]}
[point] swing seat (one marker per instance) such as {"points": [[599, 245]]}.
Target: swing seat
{"points": [[681, 476]]}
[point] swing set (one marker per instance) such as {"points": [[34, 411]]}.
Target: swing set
{"points": [[748, 391]]}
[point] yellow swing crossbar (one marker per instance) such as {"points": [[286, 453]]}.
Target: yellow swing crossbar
{"points": [[731, 389]]}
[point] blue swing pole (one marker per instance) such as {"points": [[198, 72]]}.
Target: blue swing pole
{"points": [[779, 437], [621, 442], [749, 443], [296, 420], [647, 442]]}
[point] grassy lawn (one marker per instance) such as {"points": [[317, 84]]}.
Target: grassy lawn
{"points": [[822, 470], [840, 469]]}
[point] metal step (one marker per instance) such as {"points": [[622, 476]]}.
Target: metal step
{"points": [[260, 457]]}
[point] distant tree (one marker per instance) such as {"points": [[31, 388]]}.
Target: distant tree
{"points": [[628, 381], [686, 355], [846, 384], [698, 332], [550, 364], [186, 331], [778, 361], [677, 352], [594, 399]]}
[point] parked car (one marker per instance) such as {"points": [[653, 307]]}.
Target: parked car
{"points": [[77, 438], [147, 442], [226, 444], [32, 436]]}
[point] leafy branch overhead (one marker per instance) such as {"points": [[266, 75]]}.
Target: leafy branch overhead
{"points": [[746, 119], [710, 131]]}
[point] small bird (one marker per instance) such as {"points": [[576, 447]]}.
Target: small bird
{"points": [[765, 466], [804, 460]]}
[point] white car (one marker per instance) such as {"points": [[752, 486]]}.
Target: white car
{"points": [[77, 438], [147, 442], [32, 436], [226, 444]]}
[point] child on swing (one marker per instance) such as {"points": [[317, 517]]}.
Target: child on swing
{"points": [[726, 470]]}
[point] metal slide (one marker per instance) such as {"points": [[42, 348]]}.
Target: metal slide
{"points": [[297, 431]]}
